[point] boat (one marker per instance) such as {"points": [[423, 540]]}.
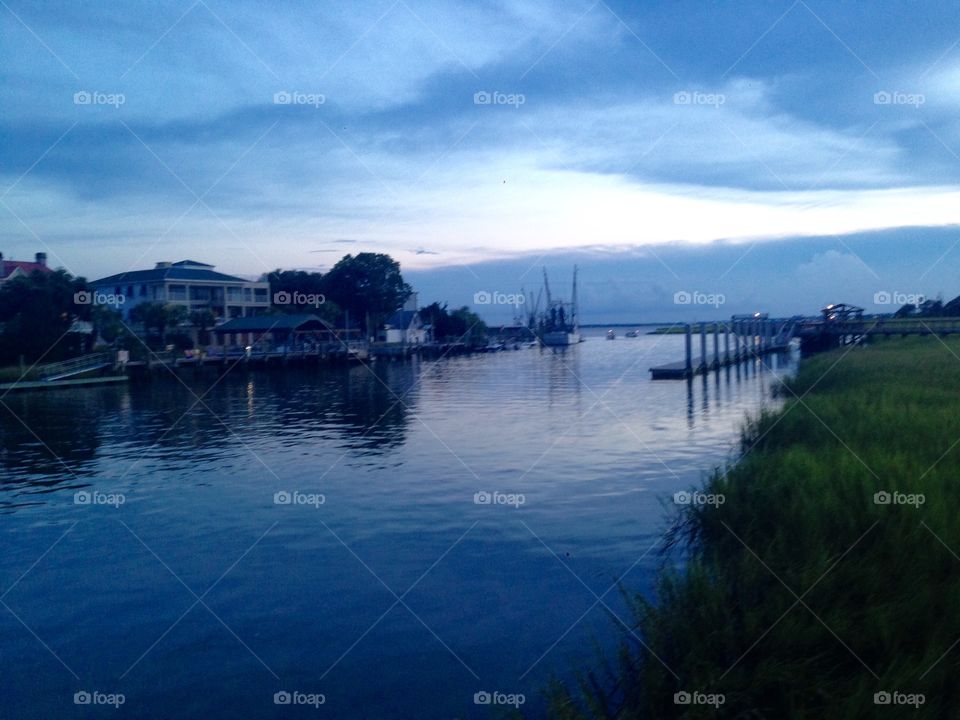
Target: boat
{"points": [[559, 325], [611, 335], [632, 333]]}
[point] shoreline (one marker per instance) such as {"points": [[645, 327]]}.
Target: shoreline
{"points": [[820, 585]]}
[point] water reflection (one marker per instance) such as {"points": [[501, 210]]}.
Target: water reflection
{"points": [[758, 375], [52, 439]]}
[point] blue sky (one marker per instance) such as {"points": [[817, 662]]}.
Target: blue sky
{"points": [[777, 155]]}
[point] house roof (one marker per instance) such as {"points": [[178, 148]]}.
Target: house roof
{"points": [[266, 323], [183, 270], [192, 262], [402, 319], [11, 266]]}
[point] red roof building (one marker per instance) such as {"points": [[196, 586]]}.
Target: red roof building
{"points": [[12, 268]]}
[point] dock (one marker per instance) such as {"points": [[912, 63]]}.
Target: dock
{"points": [[752, 336], [54, 384]]}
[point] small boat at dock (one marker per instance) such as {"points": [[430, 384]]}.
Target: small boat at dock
{"points": [[611, 335]]}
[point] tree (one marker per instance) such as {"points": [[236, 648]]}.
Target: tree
{"points": [[368, 285], [297, 291], [461, 325], [36, 313], [108, 323], [157, 318], [203, 321], [931, 308], [952, 308], [906, 311]]}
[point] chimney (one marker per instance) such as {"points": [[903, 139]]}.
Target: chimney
{"points": [[42, 259], [161, 265]]}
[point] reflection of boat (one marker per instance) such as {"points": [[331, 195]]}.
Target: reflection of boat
{"points": [[632, 333], [611, 335], [559, 325]]}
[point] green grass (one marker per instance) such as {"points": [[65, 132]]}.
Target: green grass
{"points": [[880, 584]]}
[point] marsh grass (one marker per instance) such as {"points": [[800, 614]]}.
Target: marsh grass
{"points": [[878, 585]]}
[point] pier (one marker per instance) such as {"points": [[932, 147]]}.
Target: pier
{"points": [[744, 337]]}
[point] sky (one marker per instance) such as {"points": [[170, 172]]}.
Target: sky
{"points": [[693, 159]]}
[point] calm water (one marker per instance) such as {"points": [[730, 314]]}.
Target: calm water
{"points": [[398, 596]]}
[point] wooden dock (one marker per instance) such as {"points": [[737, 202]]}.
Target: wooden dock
{"points": [[751, 336], [54, 384]]}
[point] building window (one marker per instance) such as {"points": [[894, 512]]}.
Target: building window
{"points": [[260, 295], [143, 291]]}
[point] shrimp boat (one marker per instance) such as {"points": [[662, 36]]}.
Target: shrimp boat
{"points": [[559, 324]]}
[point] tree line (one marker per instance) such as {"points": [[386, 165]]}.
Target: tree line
{"points": [[39, 313]]}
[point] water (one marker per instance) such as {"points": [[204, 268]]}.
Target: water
{"points": [[397, 597]]}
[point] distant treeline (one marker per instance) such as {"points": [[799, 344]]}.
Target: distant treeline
{"points": [[930, 308], [48, 316]]}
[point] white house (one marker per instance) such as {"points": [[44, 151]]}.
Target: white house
{"points": [[406, 326], [192, 284]]}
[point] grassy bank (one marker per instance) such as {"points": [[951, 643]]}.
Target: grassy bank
{"points": [[803, 597]]}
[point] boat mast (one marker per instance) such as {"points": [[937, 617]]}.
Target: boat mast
{"points": [[574, 310]]}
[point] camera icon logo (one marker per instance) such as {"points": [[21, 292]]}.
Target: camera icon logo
{"points": [[82, 698], [882, 298], [82, 98], [482, 97], [682, 698], [282, 498], [83, 297], [882, 98], [682, 298], [281, 298], [81, 497], [681, 98], [481, 298], [882, 698], [482, 498], [682, 497], [482, 698], [882, 498], [282, 98], [282, 698]]}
